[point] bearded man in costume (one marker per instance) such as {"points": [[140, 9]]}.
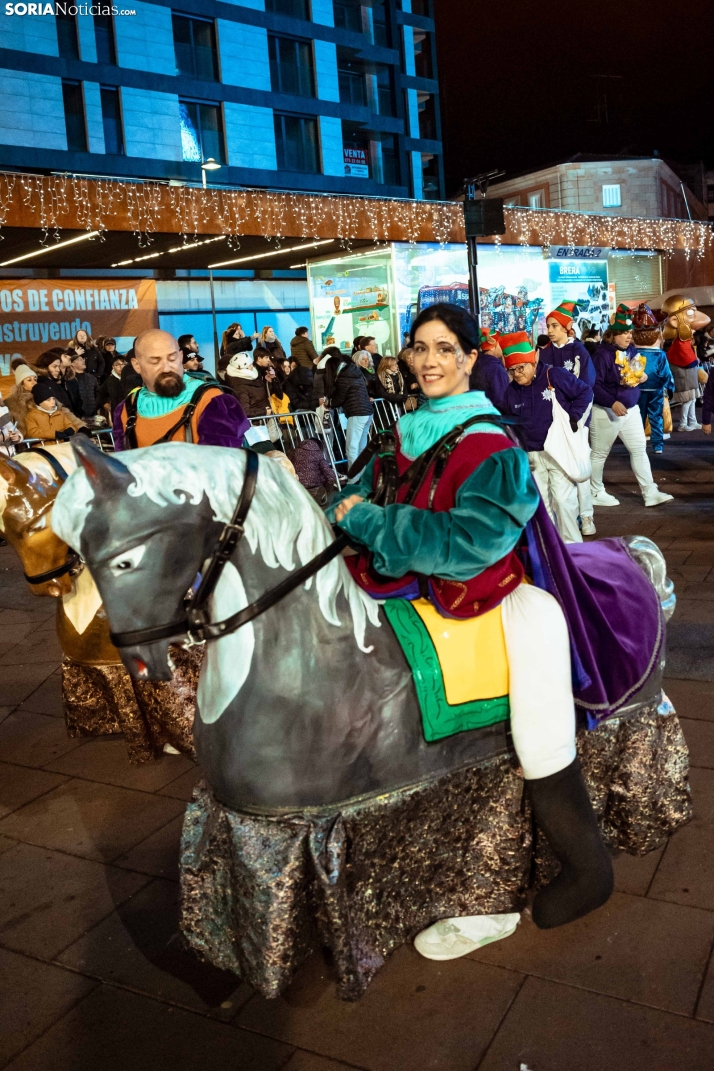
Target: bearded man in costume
{"points": [[173, 405]]}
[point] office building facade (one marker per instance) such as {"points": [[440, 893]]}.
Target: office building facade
{"points": [[334, 96]]}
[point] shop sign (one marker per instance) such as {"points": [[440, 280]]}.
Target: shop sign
{"points": [[578, 252], [356, 165]]}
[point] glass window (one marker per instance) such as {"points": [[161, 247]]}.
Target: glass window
{"points": [[104, 37], [427, 116], [611, 196], [536, 199], [430, 177], [201, 131], [366, 18], [297, 9], [296, 143], [291, 66], [67, 39], [348, 15], [422, 54], [195, 48], [383, 82], [421, 7], [111, 118], [74, 116], [366, 84]]}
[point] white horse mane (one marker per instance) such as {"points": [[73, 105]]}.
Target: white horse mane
{"points": [[283, 521], [38, 466]]}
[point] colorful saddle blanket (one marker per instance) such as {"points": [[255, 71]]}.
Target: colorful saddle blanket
{"points": [[460, 667]]}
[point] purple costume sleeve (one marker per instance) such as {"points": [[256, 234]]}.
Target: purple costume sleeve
{"points": [[223, 422], [708, 400], [118, 428]]}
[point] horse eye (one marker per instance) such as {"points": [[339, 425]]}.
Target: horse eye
{"points": [[128, 560]]}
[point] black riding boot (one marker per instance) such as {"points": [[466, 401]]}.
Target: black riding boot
{"points": [[564, 813]]}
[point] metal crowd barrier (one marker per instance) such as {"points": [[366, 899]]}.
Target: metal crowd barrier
{"points": [[293, 428], [386, 415]]}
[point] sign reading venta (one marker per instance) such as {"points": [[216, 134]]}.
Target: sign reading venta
{"points": [[37, 316]]}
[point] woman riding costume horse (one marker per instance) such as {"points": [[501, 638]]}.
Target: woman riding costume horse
{"points": [[314, 755]]}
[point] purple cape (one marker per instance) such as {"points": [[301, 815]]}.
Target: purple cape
{"points": [[613, 612]]}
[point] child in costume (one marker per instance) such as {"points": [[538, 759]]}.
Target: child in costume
{"points": [[564, 350], [683, 319], [489, 375], [619, 373], [457, 538], [647, 336], [533, 387]]}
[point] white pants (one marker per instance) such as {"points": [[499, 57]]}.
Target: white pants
{"points": [[356, 439], [604, 429], [585, 498], [559, 494], [541, 692], [688, 416]]}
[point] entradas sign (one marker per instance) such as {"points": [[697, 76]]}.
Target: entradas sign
{"points": [[36, 316]]}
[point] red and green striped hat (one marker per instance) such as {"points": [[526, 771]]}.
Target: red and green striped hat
{"points": [[517, 349], [565, 312], [488, 340], [622, 322]]}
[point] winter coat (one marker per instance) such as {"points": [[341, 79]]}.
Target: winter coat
{"points": [[235, 345], [43, 425], [95, 362], [60, 392], [275, 350], [88, 390], [311, 468], [708, 401], [657, 370], [573, 356], [111, 391], [299, 388], [350, 391], [491, 377], [8, 428], [251, 394], [608, 387], [71, 386], [303, 351], [534, 404], [393, 389], [129, 378]]}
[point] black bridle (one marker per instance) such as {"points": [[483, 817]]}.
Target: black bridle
{"points": [[196, 621], [73, 559]]}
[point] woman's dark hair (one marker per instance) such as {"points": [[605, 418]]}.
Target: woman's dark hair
{"points": [[542, 341], [331, 373], [458, 320], [331, 351], [260, 351], [609, 335], [365, 341], [356, 343]]}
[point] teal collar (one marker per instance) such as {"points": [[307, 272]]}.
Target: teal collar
{"points": [[422, 428], [149, 404]]}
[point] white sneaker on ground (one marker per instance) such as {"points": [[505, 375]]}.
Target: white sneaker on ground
{"points": [[602, 498], [657, 497], [587, 526], [693, 427], [452, 938]]}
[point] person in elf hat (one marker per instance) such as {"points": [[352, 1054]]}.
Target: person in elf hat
{"points": [[619, 372], [533, 387], [647, 336], [488, 374], [564, 350], [683, 319]]}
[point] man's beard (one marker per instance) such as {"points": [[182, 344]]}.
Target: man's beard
{"points": [[168, 385]]}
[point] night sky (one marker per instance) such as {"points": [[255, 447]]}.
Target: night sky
{"points": [[526, 84]]}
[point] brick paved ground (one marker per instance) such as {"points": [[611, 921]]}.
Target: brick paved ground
{"points": [[93, 975]]}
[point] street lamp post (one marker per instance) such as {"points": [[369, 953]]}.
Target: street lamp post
{"points": [[482, 217], [211, 165]]}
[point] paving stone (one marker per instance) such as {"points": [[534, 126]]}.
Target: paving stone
{"points": [[114, 1030], [139, 945], [20, 681], [47, 699], [19, 785], [96, 824], [33, 739], [33, 996], [6, 843], [686, 873], [692, 699], [634, 873], [308, 1061], [415, 1014], [625, 949], [182, 788], [5, 712], [705, 1009], [26, 651], [553, 1027], [48, 899], [107, 761], [158, 854], [700, 741]]}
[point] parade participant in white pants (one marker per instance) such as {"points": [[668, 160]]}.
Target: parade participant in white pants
{"points": [[619, 370]]}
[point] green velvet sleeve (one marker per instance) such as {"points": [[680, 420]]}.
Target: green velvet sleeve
{"points": [[363, 488], [492, 507]]}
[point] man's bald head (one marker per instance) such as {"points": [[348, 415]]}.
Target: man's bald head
{"points": [[159, 361]]}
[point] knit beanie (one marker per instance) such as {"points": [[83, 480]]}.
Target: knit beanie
{"points": [[517, 349], [42, 390], [623, 320], [488, 341], [565, 312], [22, 372]]}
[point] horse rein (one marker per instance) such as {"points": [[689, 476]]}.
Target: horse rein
{"points": [[196, 623], [73, 559]]}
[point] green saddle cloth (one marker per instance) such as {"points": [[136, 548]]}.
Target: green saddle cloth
{"points": [[439, 717]]}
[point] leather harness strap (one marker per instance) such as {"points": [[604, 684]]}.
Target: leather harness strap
{"points": [[73, 559], [184, 421]]}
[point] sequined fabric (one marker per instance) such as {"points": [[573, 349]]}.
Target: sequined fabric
{"points": [[103, 699], [258, 892]]}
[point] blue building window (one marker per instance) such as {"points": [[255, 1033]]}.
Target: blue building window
{"points": [[111, 119], [360, 17], [195, 48], [296, 9], [291, 66], [296, 143], [67, 40], [104, 38], [74, 116], [201, 131]]}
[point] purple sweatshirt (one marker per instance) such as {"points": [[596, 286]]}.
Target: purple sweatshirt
{"points": [[608, 389], [490, 376], [222, 423], [573, 357], [534, 404]]}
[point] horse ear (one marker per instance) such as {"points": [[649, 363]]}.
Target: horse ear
{"points": [[15, 474], [103, 471]]}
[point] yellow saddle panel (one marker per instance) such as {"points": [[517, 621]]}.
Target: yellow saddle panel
{"points": [[471, 652]]}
